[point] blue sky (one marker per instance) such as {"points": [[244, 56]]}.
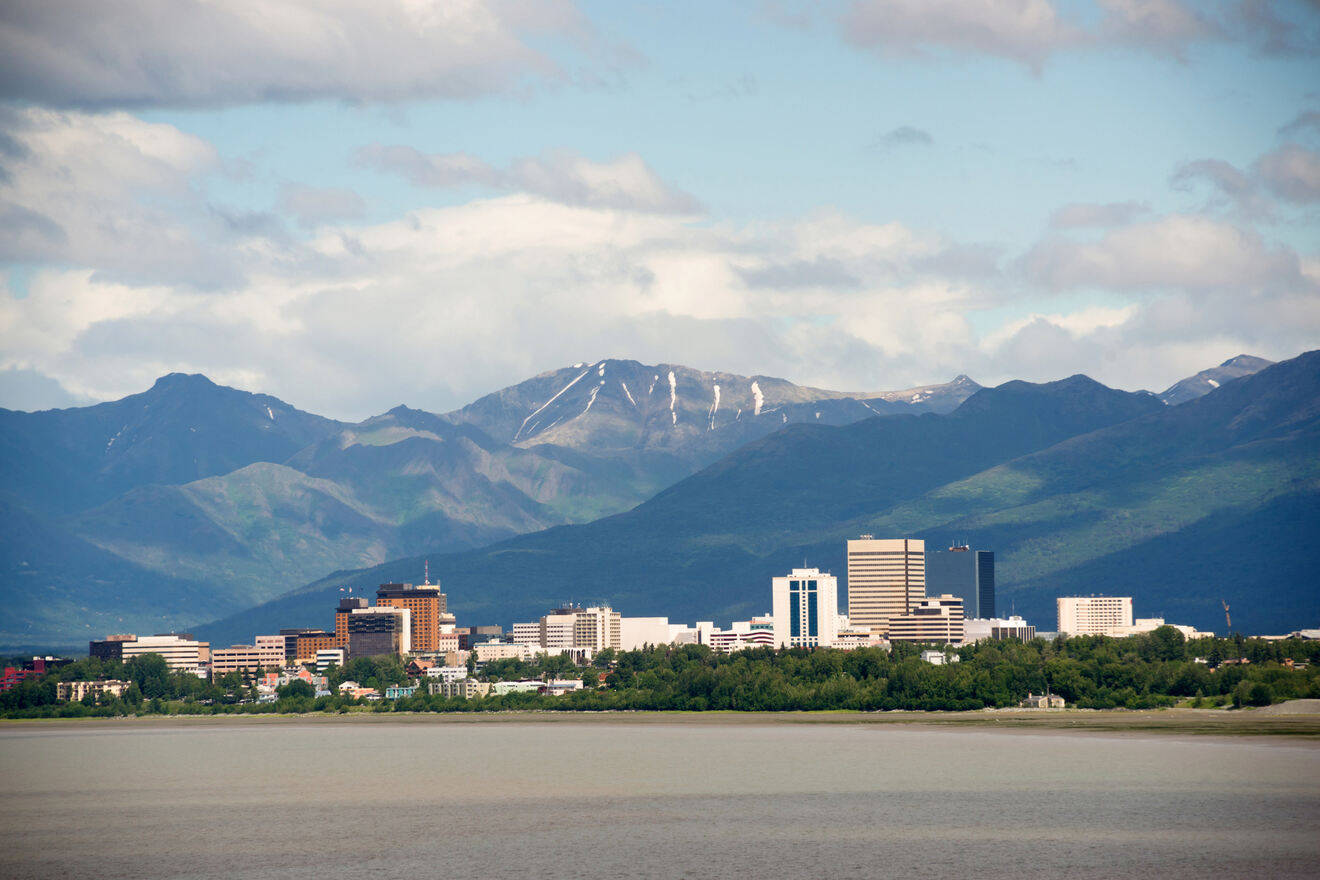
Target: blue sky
{"points": [[865, 195]]}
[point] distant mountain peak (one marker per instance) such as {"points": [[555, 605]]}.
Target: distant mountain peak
{"points": [[1208, 380], [172, 381]]}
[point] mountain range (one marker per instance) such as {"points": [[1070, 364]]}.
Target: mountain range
{"points": [[192, 500], [1079, 489]]}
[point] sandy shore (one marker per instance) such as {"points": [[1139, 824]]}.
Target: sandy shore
{"points": [[1200, 722]]}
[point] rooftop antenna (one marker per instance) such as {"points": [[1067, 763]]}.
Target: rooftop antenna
{"points": [[426, 573]]}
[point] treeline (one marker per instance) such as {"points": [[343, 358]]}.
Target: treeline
{"points": [[1150, 671]]}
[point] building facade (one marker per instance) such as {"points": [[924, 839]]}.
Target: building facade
{"points": [[428, 611], [886, 578], [938, 620], [805, 608], [379, 630], [181, 651], [267, 652], [73, 691], [1094, 615], [966, 573]]}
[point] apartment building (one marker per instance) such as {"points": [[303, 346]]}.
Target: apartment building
{"points": [[181, 651], [428, 610], [1094, 615]]}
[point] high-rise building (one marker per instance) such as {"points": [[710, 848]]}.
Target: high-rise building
{"points": [[938, 620], [597, 628], [346, 607], [886, 578], [1094, 615], [430, 616], [966, 573], [805, 608], [379, 630]]}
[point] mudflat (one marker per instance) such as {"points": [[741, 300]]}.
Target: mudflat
{"points": [[1294, 723]]}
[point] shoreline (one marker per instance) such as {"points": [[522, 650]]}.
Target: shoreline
{"points": [[1185, 722]]}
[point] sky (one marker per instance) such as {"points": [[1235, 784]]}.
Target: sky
{"points": [[352, 206]]}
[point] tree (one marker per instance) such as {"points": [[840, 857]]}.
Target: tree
{"points": [[298, 688]]}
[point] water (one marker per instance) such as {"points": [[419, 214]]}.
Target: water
{"points": [[573, 799]]}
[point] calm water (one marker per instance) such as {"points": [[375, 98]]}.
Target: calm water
{"points": [[495, 800]]}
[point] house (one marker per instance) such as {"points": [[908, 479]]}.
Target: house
{"points": [[398, 691], [1042, 701]]}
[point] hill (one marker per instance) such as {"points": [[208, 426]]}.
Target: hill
{"points": [[193, 483], [707, 546], [1208, 380]]}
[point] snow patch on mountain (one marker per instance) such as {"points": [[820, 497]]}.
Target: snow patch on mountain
{"points": [[542, 407], [714, 407], [673, 396], [629, 393], [758, 399]]}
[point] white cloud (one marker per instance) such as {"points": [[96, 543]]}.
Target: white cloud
{"points": [[109, 191], [87, 53], [443, 304], [1176, 252], [626, 182]]}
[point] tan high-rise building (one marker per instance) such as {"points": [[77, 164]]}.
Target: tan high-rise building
{"points": [[886, 578]]}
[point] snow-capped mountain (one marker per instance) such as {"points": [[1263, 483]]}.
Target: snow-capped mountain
{"points": [[623, 404]]}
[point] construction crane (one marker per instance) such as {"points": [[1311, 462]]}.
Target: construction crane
{"points": [[1228, 621]]}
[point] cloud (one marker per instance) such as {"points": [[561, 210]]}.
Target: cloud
{"points": [[627, 182], [569, 260], [1292, 173], [111, 191], [1273, 32], [905, 136], [1031, 31], [312, 205], [1022, 30], [1234, 190], [1176, 252], [1306, 122], [1080, 215], [90, 54], [1159, 25]]}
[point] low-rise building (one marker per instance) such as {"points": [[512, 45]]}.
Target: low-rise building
{"points": [[1043, 701], [487, 651], [464, 688], [759, 632], [73, 691], [446, 673], [327, 657], [938, 620], [399, 691], [529, 686], [997, 629], [266, 653], [939, 658]]}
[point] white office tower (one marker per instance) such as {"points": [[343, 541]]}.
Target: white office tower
{"points": [[805, 608], [886, 578], [1094, 615]]}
